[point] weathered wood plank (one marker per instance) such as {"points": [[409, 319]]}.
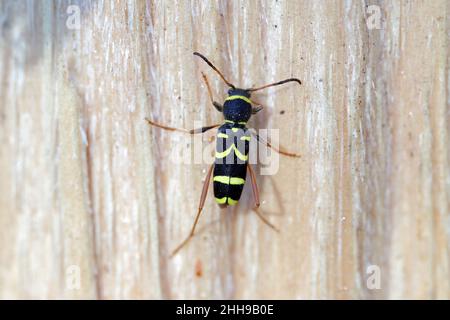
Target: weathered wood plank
{"points": [[86, 186]]}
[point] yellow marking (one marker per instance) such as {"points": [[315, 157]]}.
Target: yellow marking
{"points": [[229, 180], [238, 97], [240, 122], [232, 202], [222, 179], [223, 154], [246, 138], [237, 181], [235, 129], [221, 200], [238, 154], [222, 135], [241, 156]]}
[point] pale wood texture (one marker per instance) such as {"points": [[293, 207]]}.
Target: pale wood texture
{"points": [[85, 182]]}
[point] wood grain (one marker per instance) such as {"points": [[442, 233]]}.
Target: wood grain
{"points": [[86, 185]]}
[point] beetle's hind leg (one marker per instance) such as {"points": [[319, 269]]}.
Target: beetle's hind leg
{"points": [[200, 208], [256, 196]]}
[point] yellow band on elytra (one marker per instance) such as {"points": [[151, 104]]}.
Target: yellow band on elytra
{"points": [[221, 200], [222, 179], [238, 154], [236, 181], [229, 180], [223, 154]]}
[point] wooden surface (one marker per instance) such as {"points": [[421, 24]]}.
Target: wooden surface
{"points": [[86, 185]]}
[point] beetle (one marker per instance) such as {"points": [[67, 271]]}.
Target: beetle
{"points": [[230, 167]]}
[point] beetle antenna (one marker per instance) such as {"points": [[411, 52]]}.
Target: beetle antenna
{"points": [[274, 84], [215, 69]]}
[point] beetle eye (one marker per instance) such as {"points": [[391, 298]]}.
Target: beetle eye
{"points": [[230, 91]]}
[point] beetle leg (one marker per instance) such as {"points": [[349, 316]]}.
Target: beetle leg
{"points": [[267, 143], [217, 105], [257, 109], [256, 196], [200, 207]]}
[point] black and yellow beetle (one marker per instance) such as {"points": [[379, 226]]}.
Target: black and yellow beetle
{"points": [[232, 148]]}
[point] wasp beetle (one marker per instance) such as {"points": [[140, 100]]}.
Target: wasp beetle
{"points": [[230, 167]]}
